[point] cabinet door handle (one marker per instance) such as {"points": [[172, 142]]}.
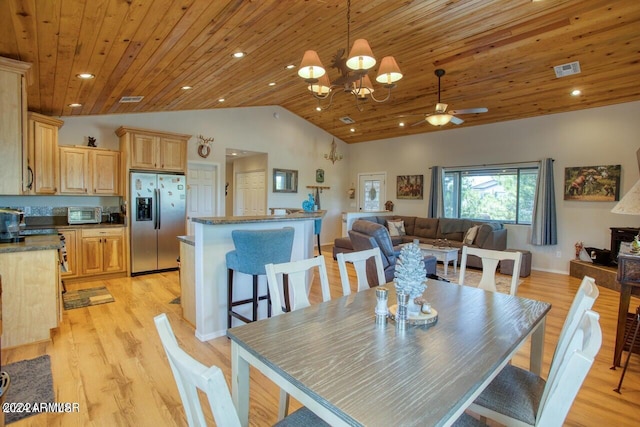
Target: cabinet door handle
{"points": [[30, 184]]}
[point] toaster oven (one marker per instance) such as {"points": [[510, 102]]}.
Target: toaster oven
{"points": [[84, 215]]}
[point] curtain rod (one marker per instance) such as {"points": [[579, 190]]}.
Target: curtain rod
{"points": [[492, 164]]}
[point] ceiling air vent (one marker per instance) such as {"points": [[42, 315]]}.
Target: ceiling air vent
{"points": [[126, 99], [347, 120], [567, 69]]}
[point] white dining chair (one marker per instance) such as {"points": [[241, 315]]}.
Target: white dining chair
{"points": [[517, 397], [297, 273], [490, 259], [191, 375], [359, 260]]}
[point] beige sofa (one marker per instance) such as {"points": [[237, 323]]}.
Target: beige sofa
{"points": [[441, 231]]}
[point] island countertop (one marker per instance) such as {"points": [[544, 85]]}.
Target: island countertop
{"points": [[33, 243], [296, 216]]}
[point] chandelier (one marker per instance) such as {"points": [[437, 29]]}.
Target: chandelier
{"points": [[353, 70], [333, 153]]}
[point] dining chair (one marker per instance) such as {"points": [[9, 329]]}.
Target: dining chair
{"points": [[516, 396], [191, 376], [297, 273], [359, 261], [254, 249], [490, 259]]}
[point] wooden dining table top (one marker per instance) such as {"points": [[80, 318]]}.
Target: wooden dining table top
{"points": [[371, 374]]}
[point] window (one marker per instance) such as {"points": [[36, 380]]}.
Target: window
{"points": [[505, 195]]}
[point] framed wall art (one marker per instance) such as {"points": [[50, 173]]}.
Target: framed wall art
{"points": [[410, 187], [592, 183]]}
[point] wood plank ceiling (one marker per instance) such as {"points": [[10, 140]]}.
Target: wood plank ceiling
{"points": [[497, 54]]}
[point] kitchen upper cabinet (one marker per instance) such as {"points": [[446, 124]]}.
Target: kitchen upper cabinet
{"points": [[91, 171], [102, 251], [153, 150], [13, 126], [43, 154], [74, 170]]}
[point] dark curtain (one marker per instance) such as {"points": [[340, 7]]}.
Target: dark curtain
{"points": [[436, 200], [544, 228]]}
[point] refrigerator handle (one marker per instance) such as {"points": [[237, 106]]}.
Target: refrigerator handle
{"points": [[155, 209], [158, 204]]}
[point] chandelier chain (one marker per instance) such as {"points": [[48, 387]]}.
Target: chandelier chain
{"points": [[348, 25]]}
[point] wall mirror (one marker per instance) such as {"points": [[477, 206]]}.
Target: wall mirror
{"points": [[285, 181]]}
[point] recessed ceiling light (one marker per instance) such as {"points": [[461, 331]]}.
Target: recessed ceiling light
{"points": [[75, 105], [401, 124], [186, 87], [85, 76], [318, 108], [221, 100], [576, 92], [352, 129], [238, 54], [234, 154], [272, 83], [290, 67]]}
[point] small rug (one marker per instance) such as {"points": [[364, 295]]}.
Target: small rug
{"points": [[86, 297], [175, 301], [472, 278], [31, 382]]}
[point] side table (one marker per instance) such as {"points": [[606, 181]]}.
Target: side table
{"points": [[629, 279]]}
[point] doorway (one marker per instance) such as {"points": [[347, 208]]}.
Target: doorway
{"points": [[202, 185], [372, 191], [250, 193]]}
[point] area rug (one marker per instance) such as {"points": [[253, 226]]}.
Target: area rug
{"points": [[31, 382], [86, 297], [472, 278]]}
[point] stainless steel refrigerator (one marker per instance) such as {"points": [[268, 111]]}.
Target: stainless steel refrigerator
{"points": [[158, 203]]}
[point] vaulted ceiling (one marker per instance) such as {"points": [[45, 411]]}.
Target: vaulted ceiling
{"points": [[497, 54]]}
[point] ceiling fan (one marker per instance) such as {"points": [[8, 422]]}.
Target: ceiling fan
{"points": [[441, 117]]}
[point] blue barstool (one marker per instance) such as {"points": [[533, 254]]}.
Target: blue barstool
{"points": [[255, 249]]}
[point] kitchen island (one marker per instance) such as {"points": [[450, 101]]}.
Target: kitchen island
{"points": [[31, 299], [213, 241]]}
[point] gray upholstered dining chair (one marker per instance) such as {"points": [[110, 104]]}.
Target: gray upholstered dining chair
{"points": [[368, 235], [519, 397], [191, 376], [253, 250], [490, 259], [359, 261]]}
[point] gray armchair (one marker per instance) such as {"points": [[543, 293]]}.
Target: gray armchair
{"points": [[368, 235]]}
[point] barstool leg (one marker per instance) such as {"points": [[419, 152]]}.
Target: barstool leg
{"points": [[319, 250], [255, 298], [229, 296]]}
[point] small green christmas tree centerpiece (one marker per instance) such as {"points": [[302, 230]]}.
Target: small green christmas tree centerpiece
{"points": [[410, 275]]}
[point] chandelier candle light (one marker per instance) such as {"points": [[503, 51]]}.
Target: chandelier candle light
{"points": [[353, 72]]}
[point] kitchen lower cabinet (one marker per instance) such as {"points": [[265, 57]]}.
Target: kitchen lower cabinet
{"points": [[102, 251], [71, 244], [30, 296]]}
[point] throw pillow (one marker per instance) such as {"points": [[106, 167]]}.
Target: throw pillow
{"points": [[396, 228], [470, 236]]}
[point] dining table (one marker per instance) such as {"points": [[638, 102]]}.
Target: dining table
{"points": [[335, 359]]}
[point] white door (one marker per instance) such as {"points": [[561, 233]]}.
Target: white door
{"points": [[372, 190], [250, 194], [201, 191]]}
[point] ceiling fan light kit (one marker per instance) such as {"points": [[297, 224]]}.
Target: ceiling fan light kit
{"points": [[353, 70]]}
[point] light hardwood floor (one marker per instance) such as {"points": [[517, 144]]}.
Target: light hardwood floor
{"points": [[109, 359]]}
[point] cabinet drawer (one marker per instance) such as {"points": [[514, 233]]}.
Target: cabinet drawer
{"points": [[101, 232]]}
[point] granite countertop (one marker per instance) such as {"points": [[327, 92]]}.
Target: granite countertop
{"points": [[33, 243], [189, 240], [297, 216]]}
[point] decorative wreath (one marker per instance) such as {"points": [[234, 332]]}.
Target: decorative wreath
{"points": [[204, 150]]}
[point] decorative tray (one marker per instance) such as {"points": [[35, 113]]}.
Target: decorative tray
{"points": [[420, 319]]}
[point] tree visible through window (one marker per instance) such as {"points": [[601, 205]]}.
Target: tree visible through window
{"points": [[505, 195]]}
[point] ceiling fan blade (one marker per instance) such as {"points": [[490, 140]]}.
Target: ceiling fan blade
{"points": [[456, 120], [418, 123], [470, 111]]}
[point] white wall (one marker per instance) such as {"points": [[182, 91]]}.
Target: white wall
{"points": [[597, 136], [290, 142]]}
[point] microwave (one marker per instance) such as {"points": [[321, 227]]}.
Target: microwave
{"points": [[84, 215]]}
